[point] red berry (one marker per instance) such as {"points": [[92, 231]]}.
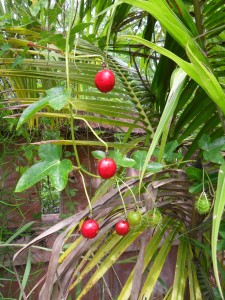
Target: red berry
{"points": [[122, 227], [106, 168], [89, 229], [105, 81]]}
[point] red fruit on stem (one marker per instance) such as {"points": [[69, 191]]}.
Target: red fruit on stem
{"points": [[89, 229], [105, 80], [122, 227], [106, 168]]}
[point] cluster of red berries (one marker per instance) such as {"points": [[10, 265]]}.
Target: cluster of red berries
{"points": [[105, 82], [90, 227]]}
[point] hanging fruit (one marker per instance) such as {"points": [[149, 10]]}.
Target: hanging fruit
{"points": [[89, 228], [106, 168], [134, 218], [105, 80], [122, 227]]}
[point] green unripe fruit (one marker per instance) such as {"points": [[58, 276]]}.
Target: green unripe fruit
{"points": [[134, 218], [203, 205], [154, 217]]}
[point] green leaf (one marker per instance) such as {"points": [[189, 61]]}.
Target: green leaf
{"points": [[194, 173], [139, 156], [19, 231], [154, 167], [116, 155], [98, 154], [121, 160], [180, 272], [50, 152], [51, 165], [196, 188], [59, 173], [31, 110], [33, 175], [222, 229], [173, 98], [127, 162], [213, 156], [217, 216], [157, 266], [221, 245], [56, 97], [169, 154], [26, 274], [18, 61], [211, 150], [206, 144]]}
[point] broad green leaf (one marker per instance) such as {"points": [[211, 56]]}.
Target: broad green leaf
{"points": [[56, 97], [211, 150], [31, 110], [196, 188], [127, 162], [222, 229], [49, 152], [58, 174], [213, 156], [51, 165], [194, 173], [154, 167], [170, 154], [98, 154], [206, 144], [116, 155], [33, 175], [207, 80], [139, 156], [218, 212]]}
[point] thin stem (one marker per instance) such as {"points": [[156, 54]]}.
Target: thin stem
{"points": [[95, 134], [135, 200], [67, 52], [124, 206], [198, 18], [86, 193]]}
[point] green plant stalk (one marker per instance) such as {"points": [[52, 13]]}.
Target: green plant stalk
{"points": [[95, 134], [124, 206], [217, 216], [67, 52], [135, 200], [198, 17], [163, 140], [86, 193]]}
